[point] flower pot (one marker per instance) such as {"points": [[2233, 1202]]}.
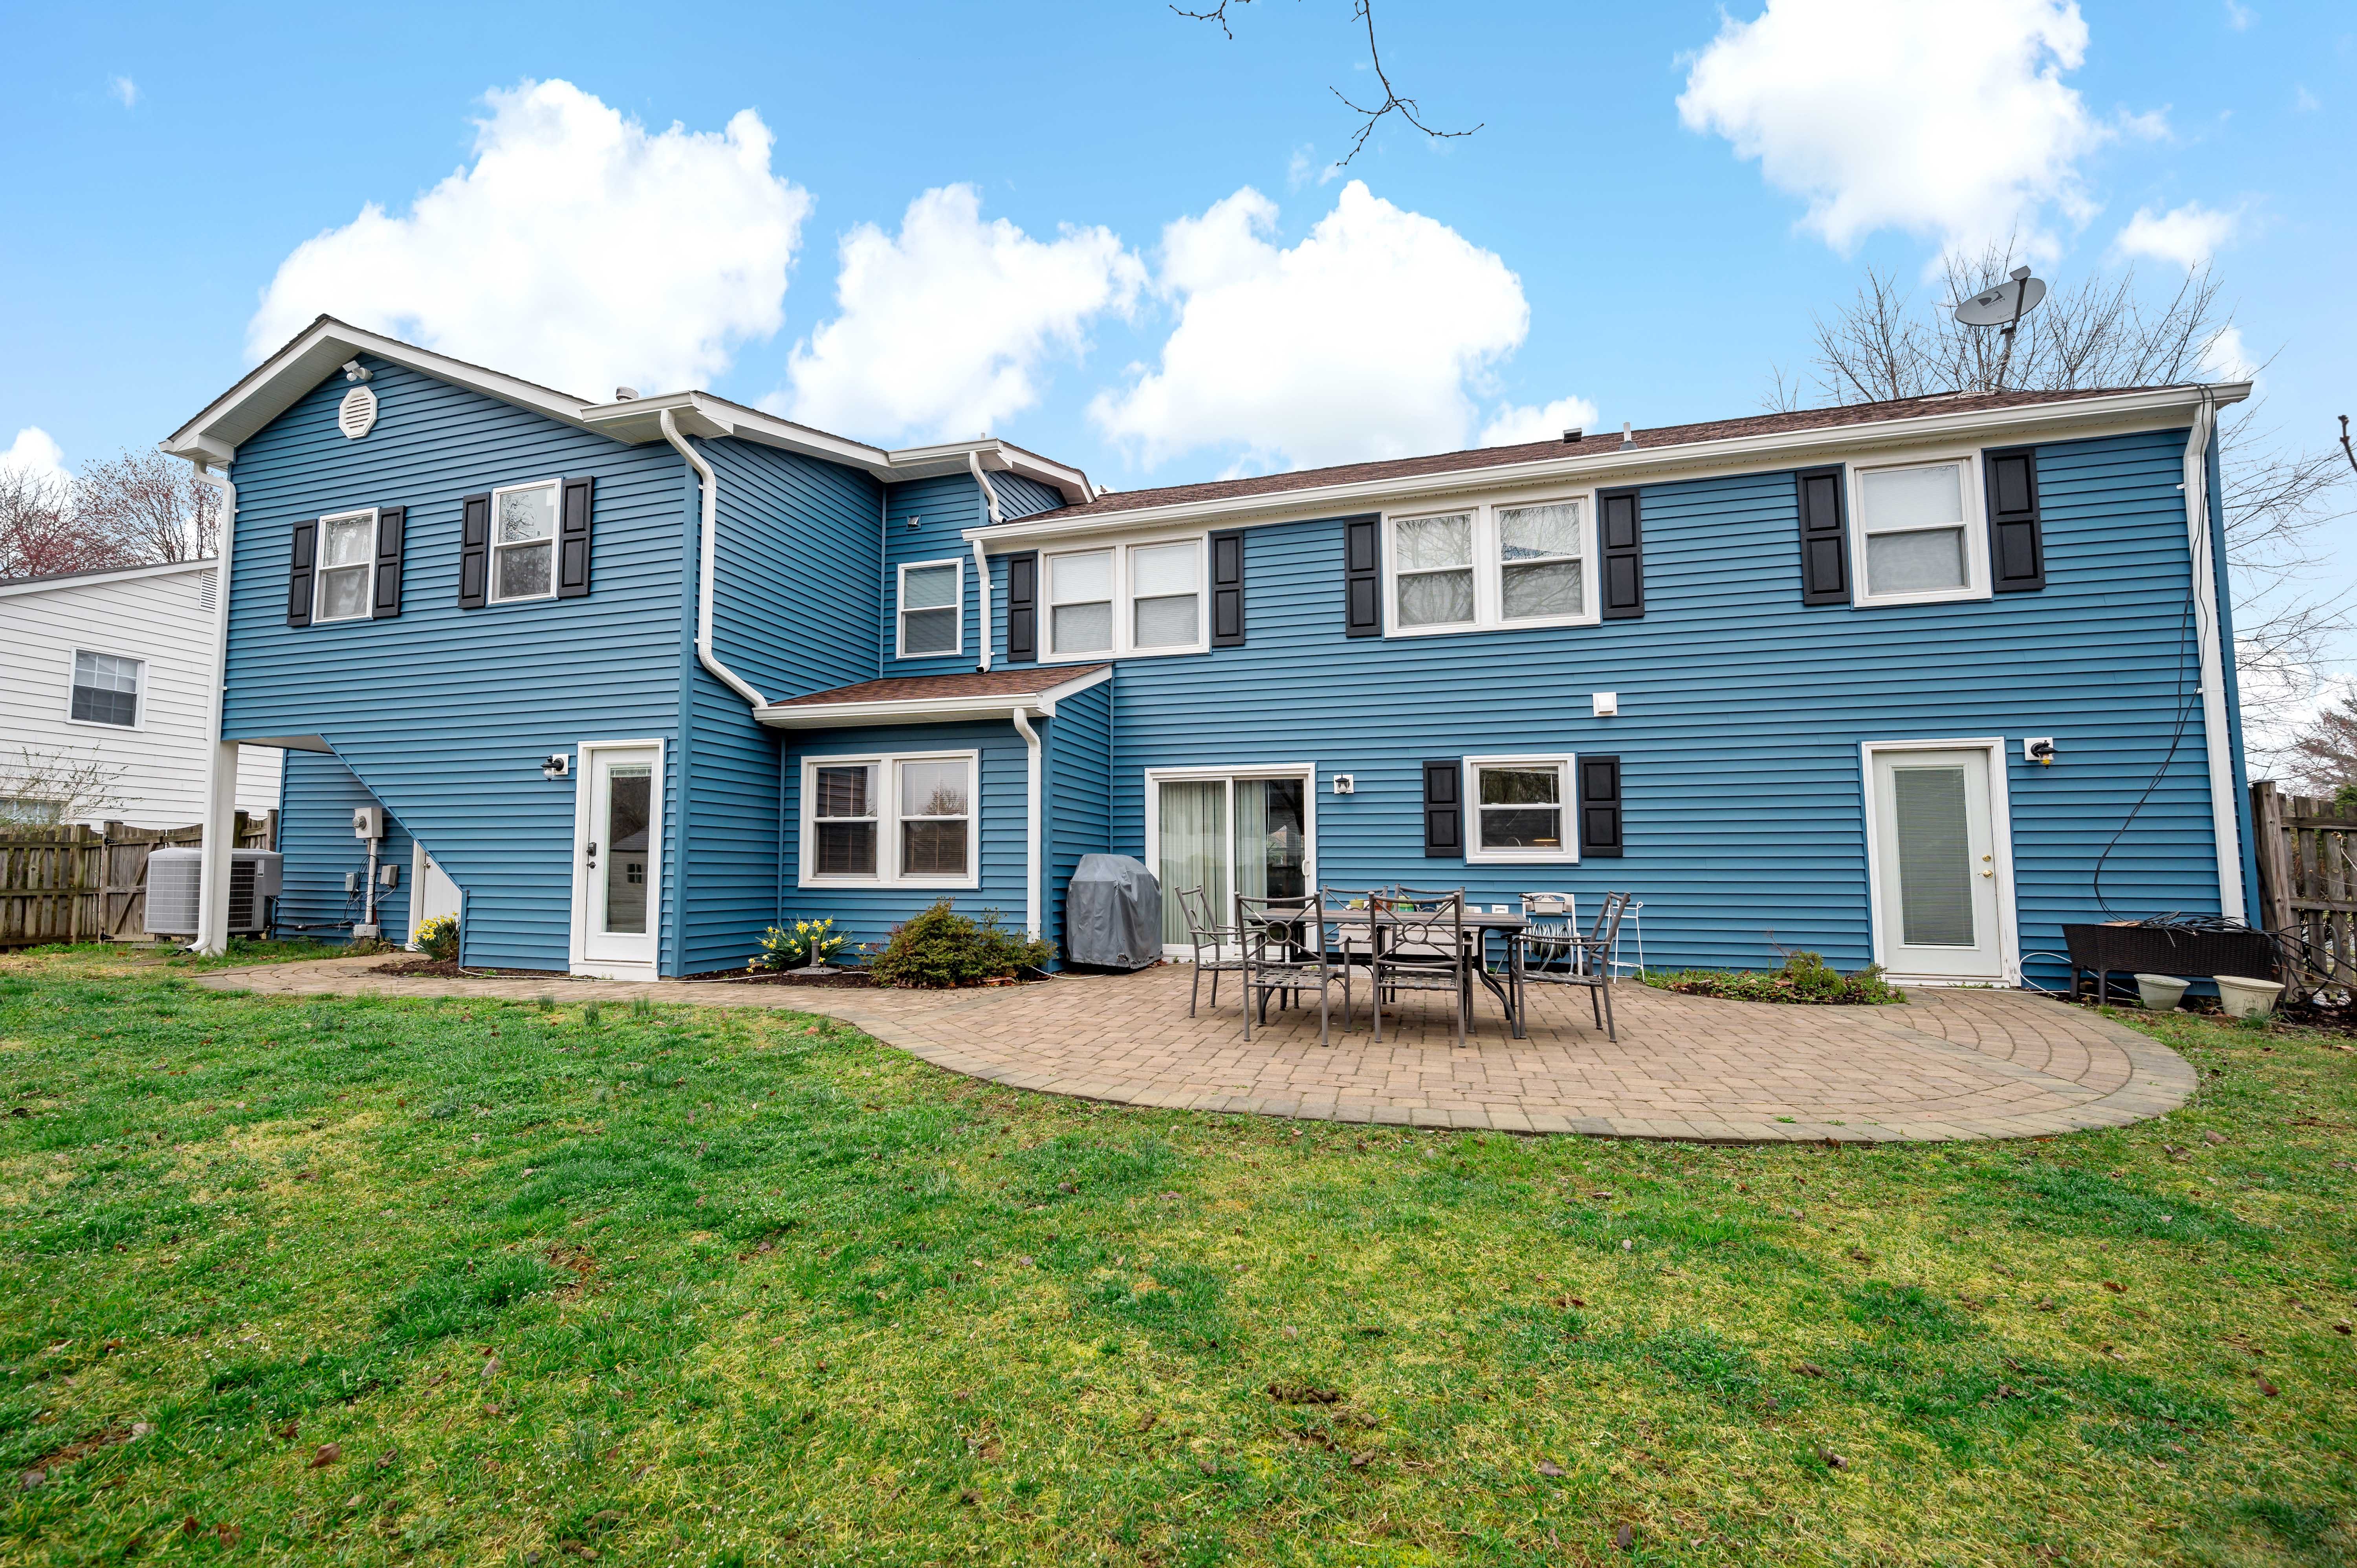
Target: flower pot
{"points": [[2160, 993], [2244, 998]]}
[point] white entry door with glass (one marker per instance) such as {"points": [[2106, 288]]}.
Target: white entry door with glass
{"points": [[620, 829], [1938, 882], [1247, 831]]}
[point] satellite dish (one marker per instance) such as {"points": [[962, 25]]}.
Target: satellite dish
{"points": [[2006, 304]]}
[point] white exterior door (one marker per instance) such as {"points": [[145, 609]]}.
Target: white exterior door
{"points": [[431, 892], [1938, 883], [619, 853]]}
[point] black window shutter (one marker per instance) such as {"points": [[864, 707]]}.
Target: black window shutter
{"points": [[1599, 807], [1022, 608], [392, 521], [1228, 588], [1363, 574], [1443, 809], [2016, 548], [300, 561], [1624, 556], [573, 539], [1825, 538], [474, 551]]}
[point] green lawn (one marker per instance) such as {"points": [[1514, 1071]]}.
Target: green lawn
{"points": [[372, 1280]]}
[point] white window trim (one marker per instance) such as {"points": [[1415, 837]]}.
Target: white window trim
{"points": [[1305, 771], [1489, 566], [1567, 766], [2009, 914], [491, 593], [1124, 601], [319, 568], [1976, 524], [888, 820], [900, 609], [73, 660]]}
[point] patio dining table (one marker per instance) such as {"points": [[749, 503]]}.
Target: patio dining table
{"points": [[1480, 922]]}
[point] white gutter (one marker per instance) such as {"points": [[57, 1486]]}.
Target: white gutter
{"points": [[711, 483], [2216, 742], [1787, 448], [981, 562], [1030, 825], [221, 759]]}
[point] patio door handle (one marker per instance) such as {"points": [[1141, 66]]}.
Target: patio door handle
{"points": [[593, 852]]}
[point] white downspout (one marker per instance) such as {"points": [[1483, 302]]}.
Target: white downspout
{"points": [[981, 562], [221, 759], [2216, 742], [711, 483], [1030, 825]]}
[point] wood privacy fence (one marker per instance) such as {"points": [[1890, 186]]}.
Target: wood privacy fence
{"points": [[2308, 886], [86, 885]]}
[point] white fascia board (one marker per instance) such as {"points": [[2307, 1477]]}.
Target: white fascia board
{"points": [[57, 580], [703, 414], [273, 387], [924, 710], [950, 457], [1794, 448]]}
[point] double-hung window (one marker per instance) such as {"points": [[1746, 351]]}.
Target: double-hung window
{"points": [[347, 563], [523, 543], [932, 604], [896, 821], [1521, 809], [106, 690], [1920, 537], [1492, 566], [1125, 599]]}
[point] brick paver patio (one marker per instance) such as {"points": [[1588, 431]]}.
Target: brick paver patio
{"points": [[1950, 1064]]}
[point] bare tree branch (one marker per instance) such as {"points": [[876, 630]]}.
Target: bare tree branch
{"points": [[44, 787], [1394, 103], [151, 502]]}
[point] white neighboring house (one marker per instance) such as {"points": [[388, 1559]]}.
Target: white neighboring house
{"points": [[114, 667]]}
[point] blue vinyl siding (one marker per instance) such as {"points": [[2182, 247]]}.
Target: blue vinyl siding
{"points": [[1077, 795], [317, 796], [1741, 714], [445, 715], [1019, 497], [795, 610], [940, 510], [868, 914]]}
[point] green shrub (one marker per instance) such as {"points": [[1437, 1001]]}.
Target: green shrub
{"points": [[437, 939], [942, 947], [1805, 978], [809, 944]]}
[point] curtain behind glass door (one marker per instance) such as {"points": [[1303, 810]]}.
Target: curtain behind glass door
{"points": [[1194, 850]]}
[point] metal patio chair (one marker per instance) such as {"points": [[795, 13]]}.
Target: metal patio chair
{"points": [[1284, 947], [1207, 935], [1426, 950], [1559, 955]]}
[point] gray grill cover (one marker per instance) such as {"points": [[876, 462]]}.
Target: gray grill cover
{"points": [[1113, 913]]}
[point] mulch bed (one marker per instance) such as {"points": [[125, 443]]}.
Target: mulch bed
{"points": [[446, 969], [853, 978]]}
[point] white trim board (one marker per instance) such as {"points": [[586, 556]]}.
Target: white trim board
{"points": [[1156, 777], [2008, 922]]}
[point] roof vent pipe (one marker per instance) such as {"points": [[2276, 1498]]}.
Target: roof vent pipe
{"points": [[626, 395], [1627, 440], [1574, 434]]}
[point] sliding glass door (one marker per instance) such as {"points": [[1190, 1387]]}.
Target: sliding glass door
{"points": [[1230, 834]]}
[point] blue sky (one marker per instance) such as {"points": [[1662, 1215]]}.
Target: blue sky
{"points": [[1008, 177]]}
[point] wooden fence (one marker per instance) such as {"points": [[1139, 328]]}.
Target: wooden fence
{"points": [[85, 884], [2308, 885]]}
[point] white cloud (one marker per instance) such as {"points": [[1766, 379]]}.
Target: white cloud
{"points": [[2240, 16], [126, 91], [945, 328], [1510, 425], [1367, 339], [2187, 236], [2303, 100], [36, 453], [1918, 117], [2227, 357], [579, 249], [1305, 166]]}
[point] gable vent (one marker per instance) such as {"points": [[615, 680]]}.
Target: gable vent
{"points": [[356, 415], [207, 588]]}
